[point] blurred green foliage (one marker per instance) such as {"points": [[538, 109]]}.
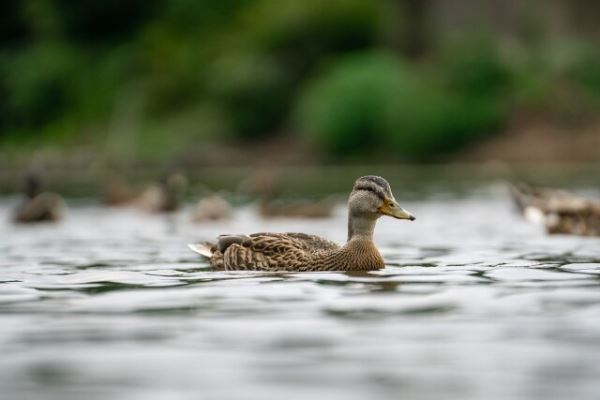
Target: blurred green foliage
{"points": [[160, 77], [39, 95], [271, 49], [473, 67], [376, 102], [347, 108], [585, 69]]}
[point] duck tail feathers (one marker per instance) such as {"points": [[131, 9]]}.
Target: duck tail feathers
{"points": [[204, 249]]}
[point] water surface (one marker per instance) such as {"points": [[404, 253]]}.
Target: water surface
{"points": [[474, 304]]}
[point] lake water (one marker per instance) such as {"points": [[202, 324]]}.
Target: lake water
{"points": [[474, 304]]}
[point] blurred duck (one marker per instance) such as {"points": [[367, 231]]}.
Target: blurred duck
{"points": [[164, 196], [557, 210], [212, 208], [118, 192], [38, 206], [371, 198], [265, 184], [271, 208]]}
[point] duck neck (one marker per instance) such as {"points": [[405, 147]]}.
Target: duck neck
{"points": [[361, 228]]}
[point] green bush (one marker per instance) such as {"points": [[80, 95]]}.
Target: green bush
{"points": [[473, 67], [253, 92], [300, 33], [66, 68], [271, 47], [375, 102], [39, 85], [585, 70], [432, 122], [347, 108], [58, 91]]}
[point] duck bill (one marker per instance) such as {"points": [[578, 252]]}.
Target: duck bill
{"points": [[394, 210]]}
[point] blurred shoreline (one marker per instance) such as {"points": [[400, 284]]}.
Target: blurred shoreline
{"points": [[81, 179]]}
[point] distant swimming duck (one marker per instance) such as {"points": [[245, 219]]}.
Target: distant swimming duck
{"points": [[164, 196], [265, 184], [557, 210], [38, 206], [371, 197], [271, 208], [118, 192], [212, 208]]}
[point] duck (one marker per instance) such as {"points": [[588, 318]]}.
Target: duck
{"points": [[558, 211], [118, 192], [371, 197], [212, 208], [165, 195], [38, 206], [270, 208], [265, 184]]}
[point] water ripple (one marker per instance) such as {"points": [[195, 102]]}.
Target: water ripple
{"points": [[473, 303]]}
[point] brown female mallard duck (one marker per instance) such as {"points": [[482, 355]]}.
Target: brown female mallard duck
{"points": [[38, 206], [118, 192], [269, 208], [557, 210], [212, 208], [266, 185], [164, 196], [371, 197]]}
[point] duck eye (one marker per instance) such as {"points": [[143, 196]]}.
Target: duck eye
{"points": [[392, 205]]}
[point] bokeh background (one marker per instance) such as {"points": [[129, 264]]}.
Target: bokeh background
{"points": [[272, 105], [94, 84]]}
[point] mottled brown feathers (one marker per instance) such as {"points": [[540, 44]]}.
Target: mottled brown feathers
{"points": [[292, 252], [373, 184], [45, 206], [560, 212], [301, 252]]}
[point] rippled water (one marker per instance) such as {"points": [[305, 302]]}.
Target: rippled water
{"points": [[474, 304]]}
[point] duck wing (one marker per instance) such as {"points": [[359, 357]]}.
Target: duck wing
{"points": [[313, 242], [268, 251]]}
